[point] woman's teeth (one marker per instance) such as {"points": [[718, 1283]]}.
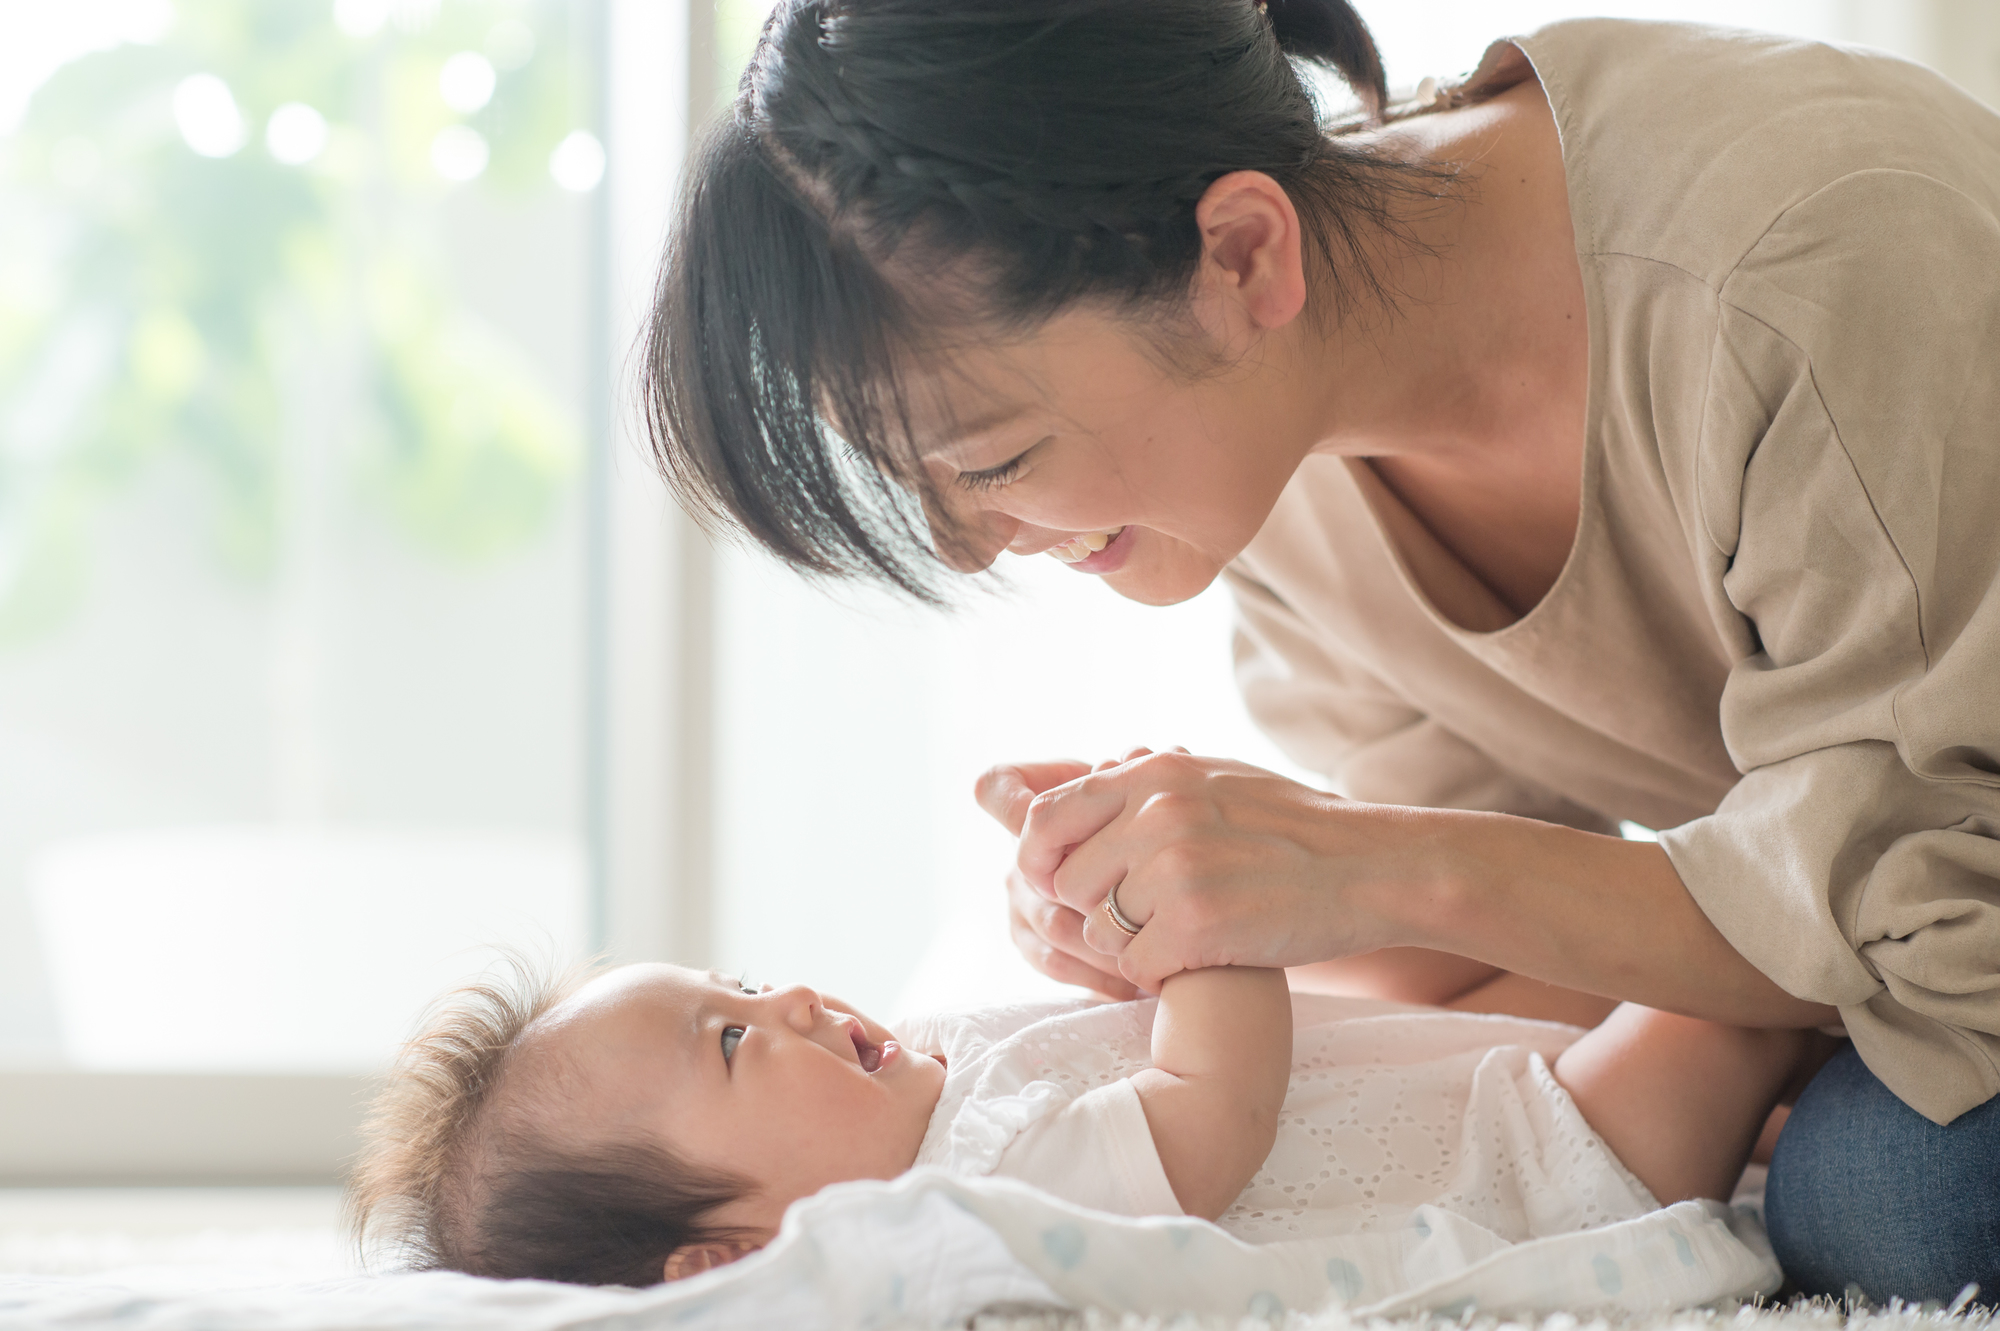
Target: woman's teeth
{"points": [[1079, 548]]}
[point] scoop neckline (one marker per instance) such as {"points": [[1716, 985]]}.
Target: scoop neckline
{"points": [[1507, 59]]}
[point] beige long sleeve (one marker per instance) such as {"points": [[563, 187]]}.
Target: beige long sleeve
{"points": [[1858, 861]]}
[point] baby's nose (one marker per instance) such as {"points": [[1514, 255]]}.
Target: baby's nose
{"points": [[799, 1004]]}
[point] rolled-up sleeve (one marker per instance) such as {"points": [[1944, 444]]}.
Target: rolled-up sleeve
{"points": [[1857, 862]]}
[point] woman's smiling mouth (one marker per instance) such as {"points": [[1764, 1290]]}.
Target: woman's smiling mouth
{"points": [[1079, 548], [1096, 552]]}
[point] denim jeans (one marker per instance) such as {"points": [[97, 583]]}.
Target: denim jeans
{"points": [[1866, 1191]]}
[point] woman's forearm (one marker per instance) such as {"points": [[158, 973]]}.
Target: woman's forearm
{"points": [[1580, 910], [1225, 864]]}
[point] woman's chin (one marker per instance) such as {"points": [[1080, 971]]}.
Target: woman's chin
{"points": [[1164, 578]]}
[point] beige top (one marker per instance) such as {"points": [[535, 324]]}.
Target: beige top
{"points": [[1778, 632]]}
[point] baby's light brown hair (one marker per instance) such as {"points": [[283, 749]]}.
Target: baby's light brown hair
{"points": [[462, 1169]]}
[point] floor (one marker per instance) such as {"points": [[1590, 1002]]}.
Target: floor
{"points": [[207, 1235]]}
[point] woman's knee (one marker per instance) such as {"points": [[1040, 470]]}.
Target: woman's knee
{"points": [[1866, 1191]]}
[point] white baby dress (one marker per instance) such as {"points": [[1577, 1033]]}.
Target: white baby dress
{"points": [[1389, 1108]]}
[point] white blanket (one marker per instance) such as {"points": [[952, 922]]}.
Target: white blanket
{"points": [[931, 1249]]}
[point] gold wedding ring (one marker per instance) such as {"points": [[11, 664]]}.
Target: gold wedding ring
{"points": [[1130, 929]]}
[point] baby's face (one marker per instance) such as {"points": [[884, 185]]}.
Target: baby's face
{"points": [[784, 1088]]}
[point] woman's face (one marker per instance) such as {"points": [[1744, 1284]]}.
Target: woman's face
{"points": [[1080, 437]]}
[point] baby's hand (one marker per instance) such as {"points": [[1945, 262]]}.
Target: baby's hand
{"points": [[1048, 933]]}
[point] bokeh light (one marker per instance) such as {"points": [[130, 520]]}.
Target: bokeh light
{"points": [[209, 120], [360, 18], [458, 153], [577, 164], [295, 134], [466, 82]]}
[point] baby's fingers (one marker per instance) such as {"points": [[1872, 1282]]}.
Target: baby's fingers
{"points": [[1005, 791], [1147, 963], [1050, 936]]}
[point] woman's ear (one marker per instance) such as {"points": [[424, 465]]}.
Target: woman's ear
{"points": [[698, 1257], [1252, 247]]}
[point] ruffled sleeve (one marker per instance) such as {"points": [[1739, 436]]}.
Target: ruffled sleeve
{"points": [[984, 1127], [1096, 1151]]}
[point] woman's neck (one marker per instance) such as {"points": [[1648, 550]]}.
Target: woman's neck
{"points": [[1486, 321], [1467, 398]]}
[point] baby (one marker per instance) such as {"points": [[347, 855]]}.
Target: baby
{"points": [[655, 1122]]}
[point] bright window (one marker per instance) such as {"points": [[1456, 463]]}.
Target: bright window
{"points": [[298, 387]]}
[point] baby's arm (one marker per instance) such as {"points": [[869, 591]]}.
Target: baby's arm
{"points": [[1222, 1058], [1679, 1100]]}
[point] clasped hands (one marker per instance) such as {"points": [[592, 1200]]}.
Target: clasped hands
{"points": [[1217, 862]]}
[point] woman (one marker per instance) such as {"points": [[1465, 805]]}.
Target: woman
{"points": [[1609, 436]]}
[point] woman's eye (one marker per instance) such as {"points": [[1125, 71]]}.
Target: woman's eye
{"points": [[992, 479], [1005, 474], [731, 1037]]}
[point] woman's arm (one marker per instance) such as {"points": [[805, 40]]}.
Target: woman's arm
{"points": [[1222, 1058], [1594, 913], [1050, 935], [1244, 867]]}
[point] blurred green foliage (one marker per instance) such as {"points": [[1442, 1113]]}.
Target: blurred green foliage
{"points": [[738, 25], [159, 304]]}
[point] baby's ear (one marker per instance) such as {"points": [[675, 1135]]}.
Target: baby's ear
{"points": [[698, 1257]]}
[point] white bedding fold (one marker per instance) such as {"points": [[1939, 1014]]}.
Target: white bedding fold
{"points": [[931, 1249]]}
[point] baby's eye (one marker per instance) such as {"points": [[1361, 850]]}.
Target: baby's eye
{"points": [[731, 1037]]}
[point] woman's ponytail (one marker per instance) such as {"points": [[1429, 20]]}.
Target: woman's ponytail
{"points": [[1330, 33]]}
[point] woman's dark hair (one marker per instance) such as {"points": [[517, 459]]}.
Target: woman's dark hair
{"points": [[897, 171]]}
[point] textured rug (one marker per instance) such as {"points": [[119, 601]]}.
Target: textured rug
{"points": [[1799, 1315]]}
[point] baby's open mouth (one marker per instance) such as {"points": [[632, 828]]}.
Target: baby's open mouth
{"points": [[869, 1054]]}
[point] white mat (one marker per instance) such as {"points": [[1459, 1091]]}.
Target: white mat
{"points": [[932, 1250]]}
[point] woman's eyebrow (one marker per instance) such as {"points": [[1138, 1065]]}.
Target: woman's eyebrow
{"points": [[998, 468], [967, 432]]}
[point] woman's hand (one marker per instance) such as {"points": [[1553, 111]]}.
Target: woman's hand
{"points": [[1220, 863], [1048, 933]]}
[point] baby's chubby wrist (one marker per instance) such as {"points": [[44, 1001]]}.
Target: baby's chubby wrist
{"points": [[1222, 1060], [1225, 1021]]}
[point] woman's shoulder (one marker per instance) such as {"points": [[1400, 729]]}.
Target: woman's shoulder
{"points": [[1683, 143]]}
